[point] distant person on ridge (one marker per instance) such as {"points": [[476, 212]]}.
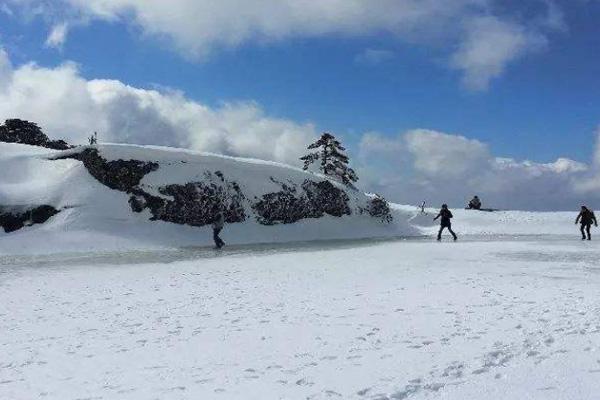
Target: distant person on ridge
{"points": [[586, 217], [475, 204], [217, 226], [446, 216]]}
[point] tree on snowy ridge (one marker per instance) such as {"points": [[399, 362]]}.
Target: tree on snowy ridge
{"points": [[334, 161]]}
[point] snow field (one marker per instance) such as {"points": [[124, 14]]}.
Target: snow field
{"points": [[508, 319]]}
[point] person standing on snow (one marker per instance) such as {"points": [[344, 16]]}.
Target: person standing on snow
{"points": [[446, 216], [586, 217], [217, 226]]}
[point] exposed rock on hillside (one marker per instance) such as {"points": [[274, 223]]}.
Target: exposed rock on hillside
{"points": [[15, 218], [193, 203], [25, 132], [379, 208], [123, 175], [197, 202], [310, 200]]}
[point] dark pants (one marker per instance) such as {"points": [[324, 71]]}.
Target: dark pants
{"points": [[585, 228], [218, 241], [442, 227]]}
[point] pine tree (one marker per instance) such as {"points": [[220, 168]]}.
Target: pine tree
{"points": [[334, 161]]}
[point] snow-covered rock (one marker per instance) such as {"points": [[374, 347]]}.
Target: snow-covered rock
{"points": [[116, 197], [25, 132], [126, 197]]}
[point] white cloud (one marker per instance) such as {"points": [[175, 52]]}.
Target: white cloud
{"points": [[68, 106], [592, 183], [374, 56], [58, 35], [442, 168], [489, 46], [196, 28], [411, 167], [443, 155], [5, 69], [5, 9]]}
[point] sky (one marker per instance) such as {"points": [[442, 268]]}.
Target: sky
{"points": [[435, 100]]}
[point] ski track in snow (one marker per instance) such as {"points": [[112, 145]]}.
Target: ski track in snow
{"points": [[393, 320]]}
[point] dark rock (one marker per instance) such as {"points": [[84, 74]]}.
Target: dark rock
{"points": [[123, 175], [327, 198], [137, 203], [58, 145], [25, 132], [291, 204], [379, 208], [195, 203], [283, 207], [15, 218]]}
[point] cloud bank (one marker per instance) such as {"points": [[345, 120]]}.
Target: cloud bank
{"points": [[443, 168], [68, 106], [487, 43], [409, 168]]}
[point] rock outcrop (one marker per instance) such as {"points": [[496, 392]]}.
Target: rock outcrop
{"points": [[15, 218], [122, 175], [197, 202], [379, 208], [194, 203], [25, 132], [293, 203]]}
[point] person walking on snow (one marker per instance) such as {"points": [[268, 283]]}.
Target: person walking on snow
{"points": [[586, 217], [446, 216], [217, 226]]}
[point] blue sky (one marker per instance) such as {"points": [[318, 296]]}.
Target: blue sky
{"points": [[521, 77], [544, 106]]}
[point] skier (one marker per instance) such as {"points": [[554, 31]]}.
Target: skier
{"points": [[446, 215], [474, 204], [586, 217], [217, 226]]}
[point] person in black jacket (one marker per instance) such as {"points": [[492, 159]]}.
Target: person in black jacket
{"points": [[446, 216], [586, 217]]}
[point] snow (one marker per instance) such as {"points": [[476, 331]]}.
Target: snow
{"points": [[473, 222], [100, 303], [375, 320], [96, 218]]}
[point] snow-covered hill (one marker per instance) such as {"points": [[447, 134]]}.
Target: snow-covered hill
{"points": [[122, 197], [510, 317], [167, 198]]}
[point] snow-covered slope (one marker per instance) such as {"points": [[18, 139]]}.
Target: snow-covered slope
{"points": [[471, 222], [95, 217]]}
